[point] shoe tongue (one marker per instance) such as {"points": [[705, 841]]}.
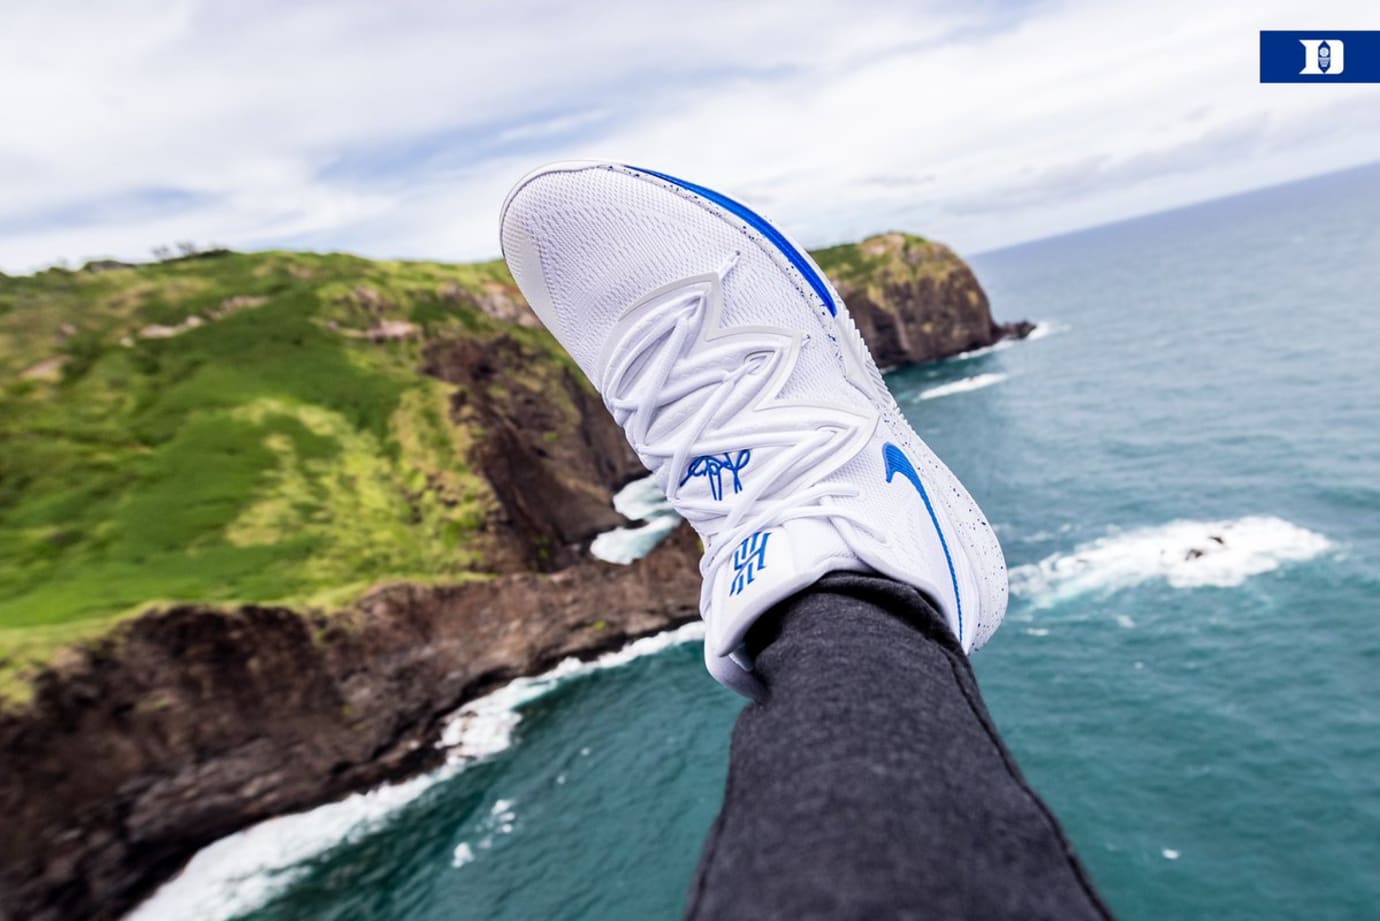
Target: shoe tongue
{"points": [[765, 568]]}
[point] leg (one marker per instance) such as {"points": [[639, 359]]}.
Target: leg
{"points": [[871, 782]]}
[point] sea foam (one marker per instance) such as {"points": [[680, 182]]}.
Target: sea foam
{"points": [[1186, 554], [641, 500], [246, 870], [501, 820], [485, 725], [240, 873], [963, 385], [1040, 331]]}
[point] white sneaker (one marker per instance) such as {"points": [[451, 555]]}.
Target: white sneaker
{"points": [[745, 388]]}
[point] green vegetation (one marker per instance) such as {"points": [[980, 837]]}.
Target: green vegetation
{"points": [[877, 258], [856, 262], [228, 427]]}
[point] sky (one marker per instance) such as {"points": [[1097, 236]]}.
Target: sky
{"points": [[394, 129]]}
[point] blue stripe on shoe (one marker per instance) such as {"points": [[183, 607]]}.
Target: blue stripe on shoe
{"points": [[759, 223]]}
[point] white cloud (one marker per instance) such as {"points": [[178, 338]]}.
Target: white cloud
{"points": [[395, 129]]}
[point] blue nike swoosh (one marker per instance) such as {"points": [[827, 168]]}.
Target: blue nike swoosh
{"points": [[897, 462]]}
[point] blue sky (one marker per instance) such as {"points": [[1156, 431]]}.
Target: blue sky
{"points": [[394, 129]]}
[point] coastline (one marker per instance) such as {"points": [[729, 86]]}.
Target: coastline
{"points": [[245, 870], [205, 721]]}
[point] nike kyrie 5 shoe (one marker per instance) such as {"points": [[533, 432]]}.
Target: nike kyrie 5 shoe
{"points": [[745, 388]]}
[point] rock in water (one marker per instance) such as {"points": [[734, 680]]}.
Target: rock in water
{"points": [[914, 300]]}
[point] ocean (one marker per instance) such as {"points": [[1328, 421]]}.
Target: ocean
{"points": [[1182, 466]]}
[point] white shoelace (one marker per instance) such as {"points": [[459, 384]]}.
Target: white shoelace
{"points": [[653, 374]]}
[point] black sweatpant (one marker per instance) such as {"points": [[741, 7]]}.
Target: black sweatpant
{"points": [[871, 782]]}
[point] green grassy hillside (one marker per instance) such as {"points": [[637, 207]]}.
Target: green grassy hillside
{"points": [[229, 427], [258, 427]]}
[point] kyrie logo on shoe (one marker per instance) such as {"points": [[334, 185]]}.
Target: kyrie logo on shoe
{"points": [[750, 557], [712, 468]]}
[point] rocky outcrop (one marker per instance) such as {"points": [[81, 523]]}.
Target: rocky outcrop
{"points": [[549, 449], [190, 723], [912, 299]]}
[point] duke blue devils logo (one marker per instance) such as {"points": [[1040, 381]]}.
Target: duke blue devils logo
{"points": [[1323, 56], [712, 468], [750, 557]]}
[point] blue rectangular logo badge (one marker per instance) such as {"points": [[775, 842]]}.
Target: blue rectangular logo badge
{"points": [[1320, 57]]}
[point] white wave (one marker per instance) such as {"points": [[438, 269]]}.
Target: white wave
{"points": [[1186, 554], [641, 500], [1040, 331], [627, 545], [963, 385], [244, 871], [484, 726], [999, 346]]}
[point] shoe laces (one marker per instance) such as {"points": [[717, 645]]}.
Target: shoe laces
{"points": [[654, 372]]}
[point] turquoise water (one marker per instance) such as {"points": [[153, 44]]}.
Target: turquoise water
{"points": [[1200, 712]]}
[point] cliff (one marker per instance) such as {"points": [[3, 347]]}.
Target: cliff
{"points": [[188, 723], [913, 300], [273, 435]]}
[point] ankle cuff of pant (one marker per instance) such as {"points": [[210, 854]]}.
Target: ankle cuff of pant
{"points": [[891, 599]]}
